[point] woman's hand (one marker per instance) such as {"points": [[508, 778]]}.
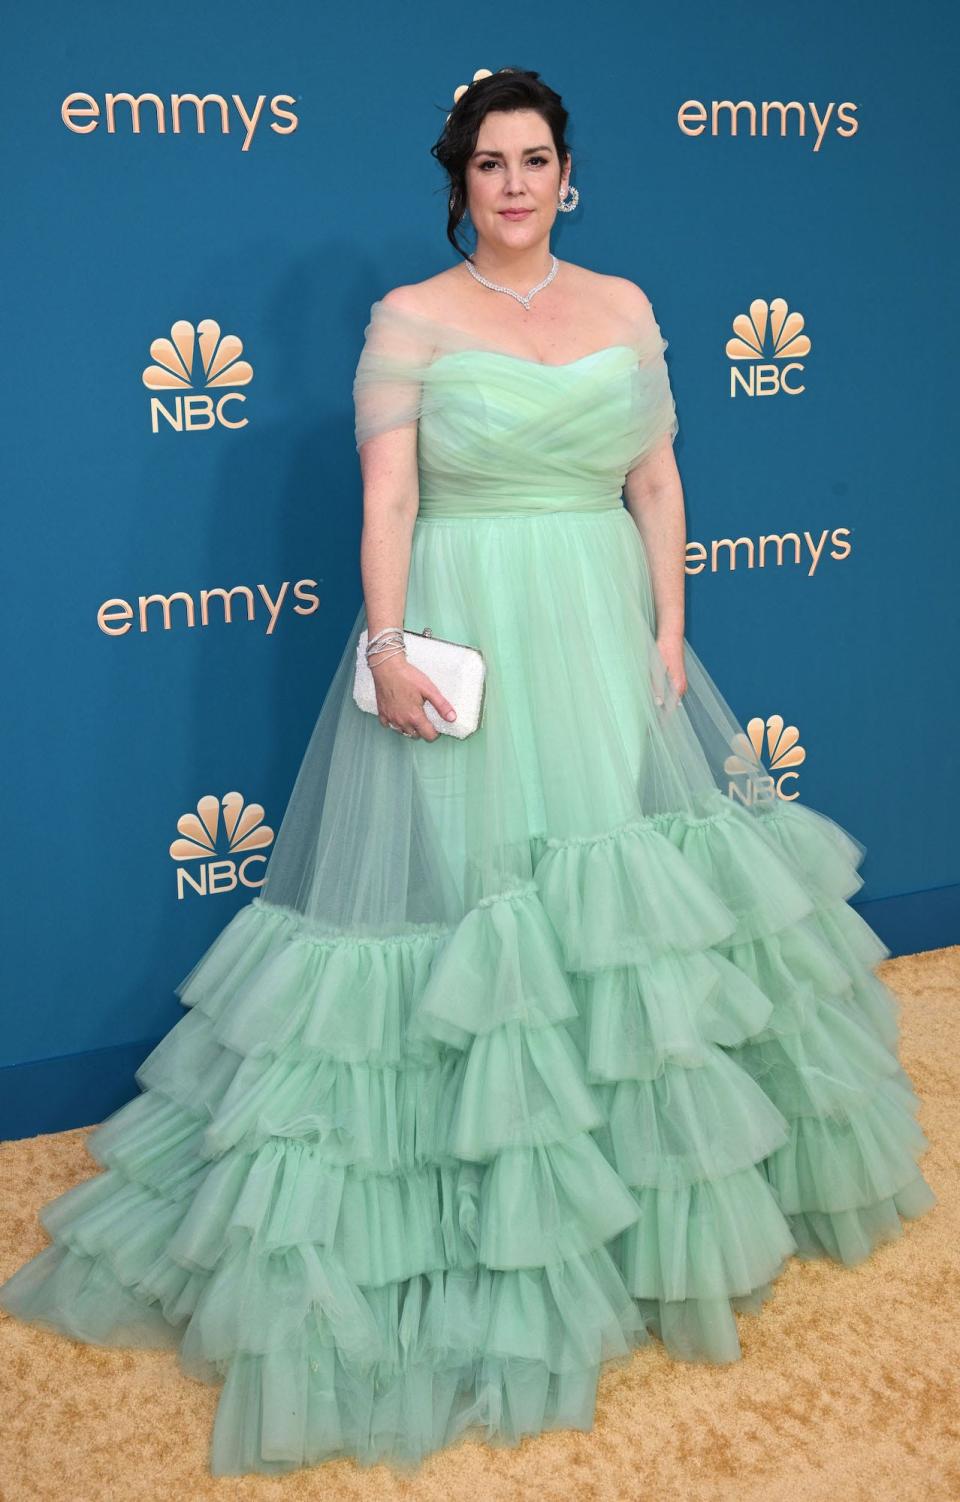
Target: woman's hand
{"points": [[670, 647], [401, 690]]}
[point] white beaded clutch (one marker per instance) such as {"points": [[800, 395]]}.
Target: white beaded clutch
{"points": [[458, 670]]}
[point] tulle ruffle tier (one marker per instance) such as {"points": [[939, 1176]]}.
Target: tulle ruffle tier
{"points": [[393, 1189]]}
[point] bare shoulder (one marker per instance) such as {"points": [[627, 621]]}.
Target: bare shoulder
{"points": [[402, 298], [626, 296], [423, 297], [616, 295]]}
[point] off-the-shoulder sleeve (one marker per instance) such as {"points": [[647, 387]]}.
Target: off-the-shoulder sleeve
{"points": [[388, 387], [654, 407], [392, 385]]}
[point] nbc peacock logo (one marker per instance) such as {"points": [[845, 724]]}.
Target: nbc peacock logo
{"points": [[769, 339], [763, 762], [218, 854], [191, 358]]}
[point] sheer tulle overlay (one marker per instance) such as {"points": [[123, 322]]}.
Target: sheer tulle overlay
{"points": [[534, 1046]]}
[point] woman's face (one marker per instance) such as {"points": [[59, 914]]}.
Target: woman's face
{"points": [[514, 166]]}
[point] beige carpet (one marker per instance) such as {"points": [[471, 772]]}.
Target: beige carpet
{"points": [[848, 1387]]}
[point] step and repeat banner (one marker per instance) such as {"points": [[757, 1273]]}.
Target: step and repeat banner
{"points": [[202, 204]]}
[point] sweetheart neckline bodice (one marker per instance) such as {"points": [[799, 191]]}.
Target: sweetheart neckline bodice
{"points": [[502, 354]]}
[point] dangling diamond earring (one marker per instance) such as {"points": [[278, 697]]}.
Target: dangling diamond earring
{"points": [[568, 208]]}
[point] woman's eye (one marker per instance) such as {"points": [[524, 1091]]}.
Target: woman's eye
{"points": [[491, 163]]}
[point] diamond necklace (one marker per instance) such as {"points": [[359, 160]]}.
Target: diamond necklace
{"points": [[523, 297]]}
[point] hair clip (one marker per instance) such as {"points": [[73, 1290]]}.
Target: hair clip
{"points": [[462, 88]]}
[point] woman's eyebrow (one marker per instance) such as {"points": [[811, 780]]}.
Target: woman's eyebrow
{"points": [[500, 153]]}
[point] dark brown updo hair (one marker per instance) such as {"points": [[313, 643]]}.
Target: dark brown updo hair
{"points": [[508, 89]]}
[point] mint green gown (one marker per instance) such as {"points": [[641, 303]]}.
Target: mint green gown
{"points": [[535, 1046]]}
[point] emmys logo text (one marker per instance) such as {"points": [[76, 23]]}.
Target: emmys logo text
{"points": [[155, 612], [728, 118], [83, 114]]}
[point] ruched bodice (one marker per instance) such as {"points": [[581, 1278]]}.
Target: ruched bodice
{"points": [[515, 435], [499, 433]]}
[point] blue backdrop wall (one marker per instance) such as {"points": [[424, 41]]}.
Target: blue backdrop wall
{"points": [[184, 309]]}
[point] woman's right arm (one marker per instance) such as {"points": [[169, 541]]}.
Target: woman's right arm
{"points": [[391, 499]]}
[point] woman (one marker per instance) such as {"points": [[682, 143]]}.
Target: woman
{"points": [[539, 1042]]}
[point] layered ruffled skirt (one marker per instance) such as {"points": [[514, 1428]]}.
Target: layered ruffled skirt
{"points": [[534, 1047]]}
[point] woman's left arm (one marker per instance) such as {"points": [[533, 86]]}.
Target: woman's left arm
{"points": [[653, 492]]}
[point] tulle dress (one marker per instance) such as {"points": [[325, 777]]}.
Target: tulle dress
{"points": [[535, 1046]]}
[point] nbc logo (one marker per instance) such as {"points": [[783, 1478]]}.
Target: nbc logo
{"points": [[207, 870], [193, 357], [765, 780], [771, 339]]}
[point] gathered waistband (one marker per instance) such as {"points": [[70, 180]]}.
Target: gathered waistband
{"points": [[453, 508]]}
